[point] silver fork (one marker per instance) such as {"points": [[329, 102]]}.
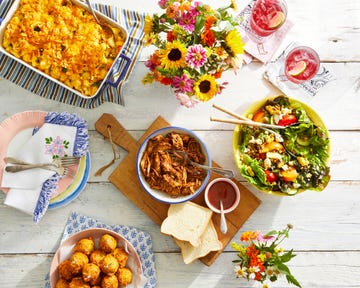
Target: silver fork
{"points": [[64, 161], [59, 165]]}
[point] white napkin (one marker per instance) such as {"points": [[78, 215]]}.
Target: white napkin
{"points": [[274, 73], [25, 186]]}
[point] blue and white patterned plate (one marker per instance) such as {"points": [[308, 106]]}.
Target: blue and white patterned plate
{"points": [[76, 186]]}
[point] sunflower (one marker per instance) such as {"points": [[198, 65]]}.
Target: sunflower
{"points": [[173, 57], [148, 27], [205, 88], [234, 43]]}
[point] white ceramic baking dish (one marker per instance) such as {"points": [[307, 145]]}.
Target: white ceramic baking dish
{"points": [[120, 57]]}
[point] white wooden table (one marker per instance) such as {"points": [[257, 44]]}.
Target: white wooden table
{"points": [[326, 234]]}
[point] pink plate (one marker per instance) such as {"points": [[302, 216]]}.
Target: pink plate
{"points": [[65, 251], [16, 124]]}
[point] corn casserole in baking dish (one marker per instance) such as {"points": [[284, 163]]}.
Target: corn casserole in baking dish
{"points": [[63, 40]]}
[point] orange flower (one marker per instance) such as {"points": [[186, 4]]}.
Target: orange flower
{"points": [[218, 74], [170, 36], [208, 37], [249, 235], [158, 76], [172, 11], [166, 81], [210, 20]]}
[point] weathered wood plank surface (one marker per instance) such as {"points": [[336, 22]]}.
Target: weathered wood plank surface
{"points": [[326, 235]]}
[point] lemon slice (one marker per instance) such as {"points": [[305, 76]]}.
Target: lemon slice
{"points": [[298, 68], [277, 20]]}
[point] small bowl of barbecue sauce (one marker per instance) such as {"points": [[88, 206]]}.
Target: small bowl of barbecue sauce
{"points": [[225, 190]]}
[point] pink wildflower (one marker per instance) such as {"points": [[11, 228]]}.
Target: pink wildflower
{"points": [[183, 84], [263, 237], [185, 100], [163, 3], [196, 56]]}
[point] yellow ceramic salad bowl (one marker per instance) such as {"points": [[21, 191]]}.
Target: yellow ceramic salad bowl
{"points": [[289, 163]]}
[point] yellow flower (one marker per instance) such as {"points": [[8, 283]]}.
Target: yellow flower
{"points": [[205, 88], [173, 57], [148, 24], [262, 257], [234, 43], [220, 53], [148, 79], [150, 39], [233, 5], [279, 250]]}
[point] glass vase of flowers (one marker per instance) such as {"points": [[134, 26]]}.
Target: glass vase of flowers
{"points": [[194, 44], [261, 259]]}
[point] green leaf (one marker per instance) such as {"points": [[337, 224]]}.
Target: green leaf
{"points": [[199, 24], [291, 279], [283, 269], [270, 233], [287, 256]]}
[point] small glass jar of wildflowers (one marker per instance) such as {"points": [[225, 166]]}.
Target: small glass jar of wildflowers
{"points": [[194, 44], [262, 259]]}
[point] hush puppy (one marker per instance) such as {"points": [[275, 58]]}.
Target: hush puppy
{"points": [[109, 281], [124, 276], [109, 264], [107, 243], [91, 273], [121, 256], [97, 256], [85, 245]]}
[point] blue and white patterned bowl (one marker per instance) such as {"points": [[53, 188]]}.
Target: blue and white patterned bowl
{"points": [[157, 194]]}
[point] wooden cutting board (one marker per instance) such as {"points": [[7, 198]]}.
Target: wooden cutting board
{"points": [[125, 179]]}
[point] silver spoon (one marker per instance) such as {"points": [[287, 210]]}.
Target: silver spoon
{"points": [[223, 225], [105, 26]]}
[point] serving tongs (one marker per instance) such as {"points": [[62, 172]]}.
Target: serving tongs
{"points": [[242, 120], [185, 157]]}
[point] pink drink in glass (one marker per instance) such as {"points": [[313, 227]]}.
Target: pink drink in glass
{"points": [[267, 16], [301, 64]]}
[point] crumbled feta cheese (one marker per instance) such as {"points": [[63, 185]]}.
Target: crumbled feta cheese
{"points": [[273, 155], [267, 163]]}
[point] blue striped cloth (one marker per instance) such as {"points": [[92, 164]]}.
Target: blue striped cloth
{"points": [[26, 78]]}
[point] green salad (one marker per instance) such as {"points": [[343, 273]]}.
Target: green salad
{"points": [[287, 160]]}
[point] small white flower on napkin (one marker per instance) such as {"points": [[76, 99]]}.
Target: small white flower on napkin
{"points": [[52, 140]]}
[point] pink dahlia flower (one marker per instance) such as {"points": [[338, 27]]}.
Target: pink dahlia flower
{"points": [[196, 56], [182, 84]]}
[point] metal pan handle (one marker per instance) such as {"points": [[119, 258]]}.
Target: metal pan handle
{"points": [[124, 65]]}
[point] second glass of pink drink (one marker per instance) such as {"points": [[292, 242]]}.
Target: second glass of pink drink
{"points": [[267, 16], [301, 64]]}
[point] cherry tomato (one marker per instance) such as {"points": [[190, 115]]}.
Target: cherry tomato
{"points": [[289, 174], [271, 177], [259, 116], [287, 120]]}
